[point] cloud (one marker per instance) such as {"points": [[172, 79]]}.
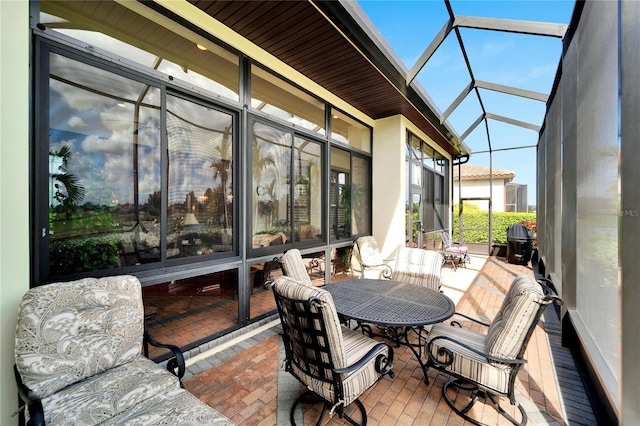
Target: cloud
{"points": [[76, 121]]}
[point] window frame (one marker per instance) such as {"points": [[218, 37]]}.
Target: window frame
{"points": [[44, 47]]}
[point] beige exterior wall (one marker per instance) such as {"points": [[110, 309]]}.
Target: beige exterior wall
{"points": [[14, 187], [480, 188], [389, 195]]}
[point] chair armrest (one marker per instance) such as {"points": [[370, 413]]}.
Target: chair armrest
{"points": [[176, 364], [477, 321], [384, 364], [31, 400], [386, 271], [449, 354]]}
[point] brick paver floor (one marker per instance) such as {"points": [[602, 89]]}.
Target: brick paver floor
{"points": [[243, 384]]}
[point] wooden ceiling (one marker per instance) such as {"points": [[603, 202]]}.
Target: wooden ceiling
{"points": [[324, 42]]}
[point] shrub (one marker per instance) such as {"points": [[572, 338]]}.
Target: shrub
{"points": [[69, 257], [501, 221]]}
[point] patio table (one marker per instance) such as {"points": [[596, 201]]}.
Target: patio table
{"points": [[398, 308]]}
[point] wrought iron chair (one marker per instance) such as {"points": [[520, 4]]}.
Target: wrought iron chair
{"points": [[369, 258], [418, 266], [293, 266], [486, 365], [335, 363], [453, 253]]}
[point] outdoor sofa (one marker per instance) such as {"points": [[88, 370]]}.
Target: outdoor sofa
{"points": [[79, 360]]}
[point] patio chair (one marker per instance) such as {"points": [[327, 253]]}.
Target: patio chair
{"points": [[335, 363], [486, 365], [293, 266], [369, 258], [418, 266], [453, 253]]}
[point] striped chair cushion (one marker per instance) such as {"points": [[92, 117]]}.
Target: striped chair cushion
{"points": [[356, 345], [418, 266], [345, 345], [294, 289], [508, 329], [467, 363], [294, 266]]}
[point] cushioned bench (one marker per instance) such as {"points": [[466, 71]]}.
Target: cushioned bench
{"points": [[79, 359]]}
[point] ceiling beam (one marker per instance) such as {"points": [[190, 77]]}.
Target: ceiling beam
{"points": [[514, 122], [537, 96], [546, 29], [429, 51]]}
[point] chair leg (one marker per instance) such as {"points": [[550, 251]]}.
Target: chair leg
{"points": [[312, 398], [475, 394]]}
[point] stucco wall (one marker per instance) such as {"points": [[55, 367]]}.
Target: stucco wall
{"points": [[14, 187], [480, 188]]}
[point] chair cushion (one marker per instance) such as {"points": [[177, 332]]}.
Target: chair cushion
{"points": [[110, 393], [174, 407], [369, 251], [418, 266], [509, 328], [457, 249], [356, 345], [466, 363], [294, 289], [294, 266], [69, 331]]}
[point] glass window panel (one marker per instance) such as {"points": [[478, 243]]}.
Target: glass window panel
{"points": [[307, 190], [177, 309], [261, 300], [416, 175], [347, 130], [104, 169], [116, 29], [200, 189], [270, 190], [339, 218], [280, 99], [361, 196]]}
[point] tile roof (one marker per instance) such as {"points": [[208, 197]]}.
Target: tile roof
{"points": [[473, 172]]}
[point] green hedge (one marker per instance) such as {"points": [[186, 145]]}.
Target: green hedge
{"points": [[69, 257], [501, 221]]}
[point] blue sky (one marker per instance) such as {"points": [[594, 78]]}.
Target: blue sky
{"points": [[522, 61]]}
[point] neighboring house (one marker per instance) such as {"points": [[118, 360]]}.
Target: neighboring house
{"points": [[507, 196]]}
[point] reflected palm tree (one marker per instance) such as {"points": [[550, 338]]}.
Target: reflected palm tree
{"points": [[69, 192], [222, 169]]}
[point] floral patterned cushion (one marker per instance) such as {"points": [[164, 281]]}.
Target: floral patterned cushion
{"points": [[175, 407], [69, 331], [100, 397], [78, 348]]}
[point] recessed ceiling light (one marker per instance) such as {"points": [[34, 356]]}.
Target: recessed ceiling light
{"points": [[201, 47]]}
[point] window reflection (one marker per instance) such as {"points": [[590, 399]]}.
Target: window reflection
{"points": [[191, 309], [276, 97], [350, 131], [307, 190], [361, 196], [104, 169], [339, 196], [114, 28], [200, 219], [271, 164]]}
